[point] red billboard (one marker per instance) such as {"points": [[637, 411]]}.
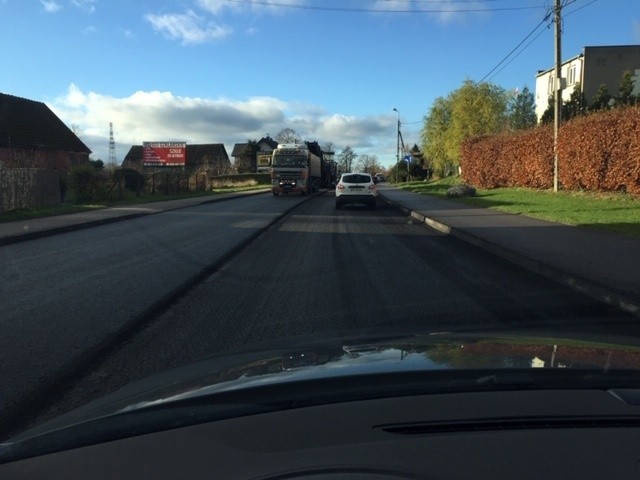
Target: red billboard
{"points": [[164, 154]]}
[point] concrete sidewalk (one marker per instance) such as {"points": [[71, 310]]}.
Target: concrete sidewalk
{"points": [[13, 232], [603, 265]]}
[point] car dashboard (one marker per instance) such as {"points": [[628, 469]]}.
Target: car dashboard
{"points": [[499, 434]]}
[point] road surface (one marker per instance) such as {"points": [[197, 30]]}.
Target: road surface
{"points": [[317, 271]]}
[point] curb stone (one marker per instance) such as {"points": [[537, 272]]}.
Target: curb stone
{"points": [[579, 284]]}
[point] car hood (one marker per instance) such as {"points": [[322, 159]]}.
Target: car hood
{"points": [[434, 353]]}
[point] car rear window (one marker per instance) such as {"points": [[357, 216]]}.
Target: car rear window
{"points": [[356, 178]]}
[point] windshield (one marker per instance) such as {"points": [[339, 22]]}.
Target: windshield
{"points": [[289, 161], [356, 179], [143, 227]]}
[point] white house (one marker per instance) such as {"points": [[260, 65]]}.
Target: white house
{"points": [[593, 67]]}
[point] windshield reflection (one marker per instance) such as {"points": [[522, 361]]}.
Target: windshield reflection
{"points": [[290, 161]]}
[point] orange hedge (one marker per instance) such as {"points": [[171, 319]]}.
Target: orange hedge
{"points": [[596, 152]]}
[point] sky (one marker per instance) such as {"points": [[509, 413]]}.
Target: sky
{"points": [[226, 71]]}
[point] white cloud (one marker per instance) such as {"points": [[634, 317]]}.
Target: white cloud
{"points": [[154, 115], [271, 6], [444, 11], [189, 27], [215, 6], [447, 11], [50, 6], [86, 5], [393, 6]]}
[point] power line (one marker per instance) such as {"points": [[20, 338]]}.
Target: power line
{"points": [[519, 53], [300, 6], [579, 8], [440, 1], [545, 19]]}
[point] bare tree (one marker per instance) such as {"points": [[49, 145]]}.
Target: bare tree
{"points": [[368, 164], [288, 135], [346, 158], [329, 147]]}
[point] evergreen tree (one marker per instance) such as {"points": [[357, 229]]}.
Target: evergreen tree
{"points": [[602, 99], [522, 110], [625, 94], [577, 104]]}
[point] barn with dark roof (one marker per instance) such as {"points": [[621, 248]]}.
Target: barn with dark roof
{"points": [[36, 150], [31, 135]]}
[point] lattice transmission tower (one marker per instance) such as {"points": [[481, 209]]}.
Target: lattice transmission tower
{"points": [[112, 146]]}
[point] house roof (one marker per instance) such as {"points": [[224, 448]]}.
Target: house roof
{"points": [[195, 153], [264, 144], [237, 149], [135, 153], [29, 124], [269, 141], [539, 73]]}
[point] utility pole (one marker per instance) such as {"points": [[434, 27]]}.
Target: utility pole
{"points": [[397, 145], [558, 84]]}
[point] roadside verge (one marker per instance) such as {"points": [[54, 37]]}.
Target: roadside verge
{"points": [[23, 230]]}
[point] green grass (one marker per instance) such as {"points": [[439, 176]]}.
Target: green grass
{"points": [[128, 199], [608, 211], [15, 215]]}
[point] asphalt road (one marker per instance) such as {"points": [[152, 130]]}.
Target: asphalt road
{"points": [[318, 271], [67, 298]]}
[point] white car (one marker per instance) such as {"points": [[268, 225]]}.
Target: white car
{"points": [[353, 188]]}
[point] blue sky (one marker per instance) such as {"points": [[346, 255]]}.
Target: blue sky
{"points": [[224, 71]]}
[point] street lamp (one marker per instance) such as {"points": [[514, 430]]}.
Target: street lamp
{"points": [[397, 145]]}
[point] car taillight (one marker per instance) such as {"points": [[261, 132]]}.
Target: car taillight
{"points": [[340, 186], [372, 187]]}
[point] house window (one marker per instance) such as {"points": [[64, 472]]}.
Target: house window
{"points": [[572, 75], [552, 81]]}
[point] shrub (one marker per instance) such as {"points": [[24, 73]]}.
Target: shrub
{"points": [[461, 191], [88, 183], [600, 151], [133, 180]]}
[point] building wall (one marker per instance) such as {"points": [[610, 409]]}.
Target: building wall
{"points": [[606, 65], [30, 177], [595, 66], [572, 71], [28, 188], [57, 160]]}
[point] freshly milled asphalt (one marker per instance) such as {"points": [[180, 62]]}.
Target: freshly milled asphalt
{"points": [[68, 298], [320, 271], [136, 297], [30, 229]]}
